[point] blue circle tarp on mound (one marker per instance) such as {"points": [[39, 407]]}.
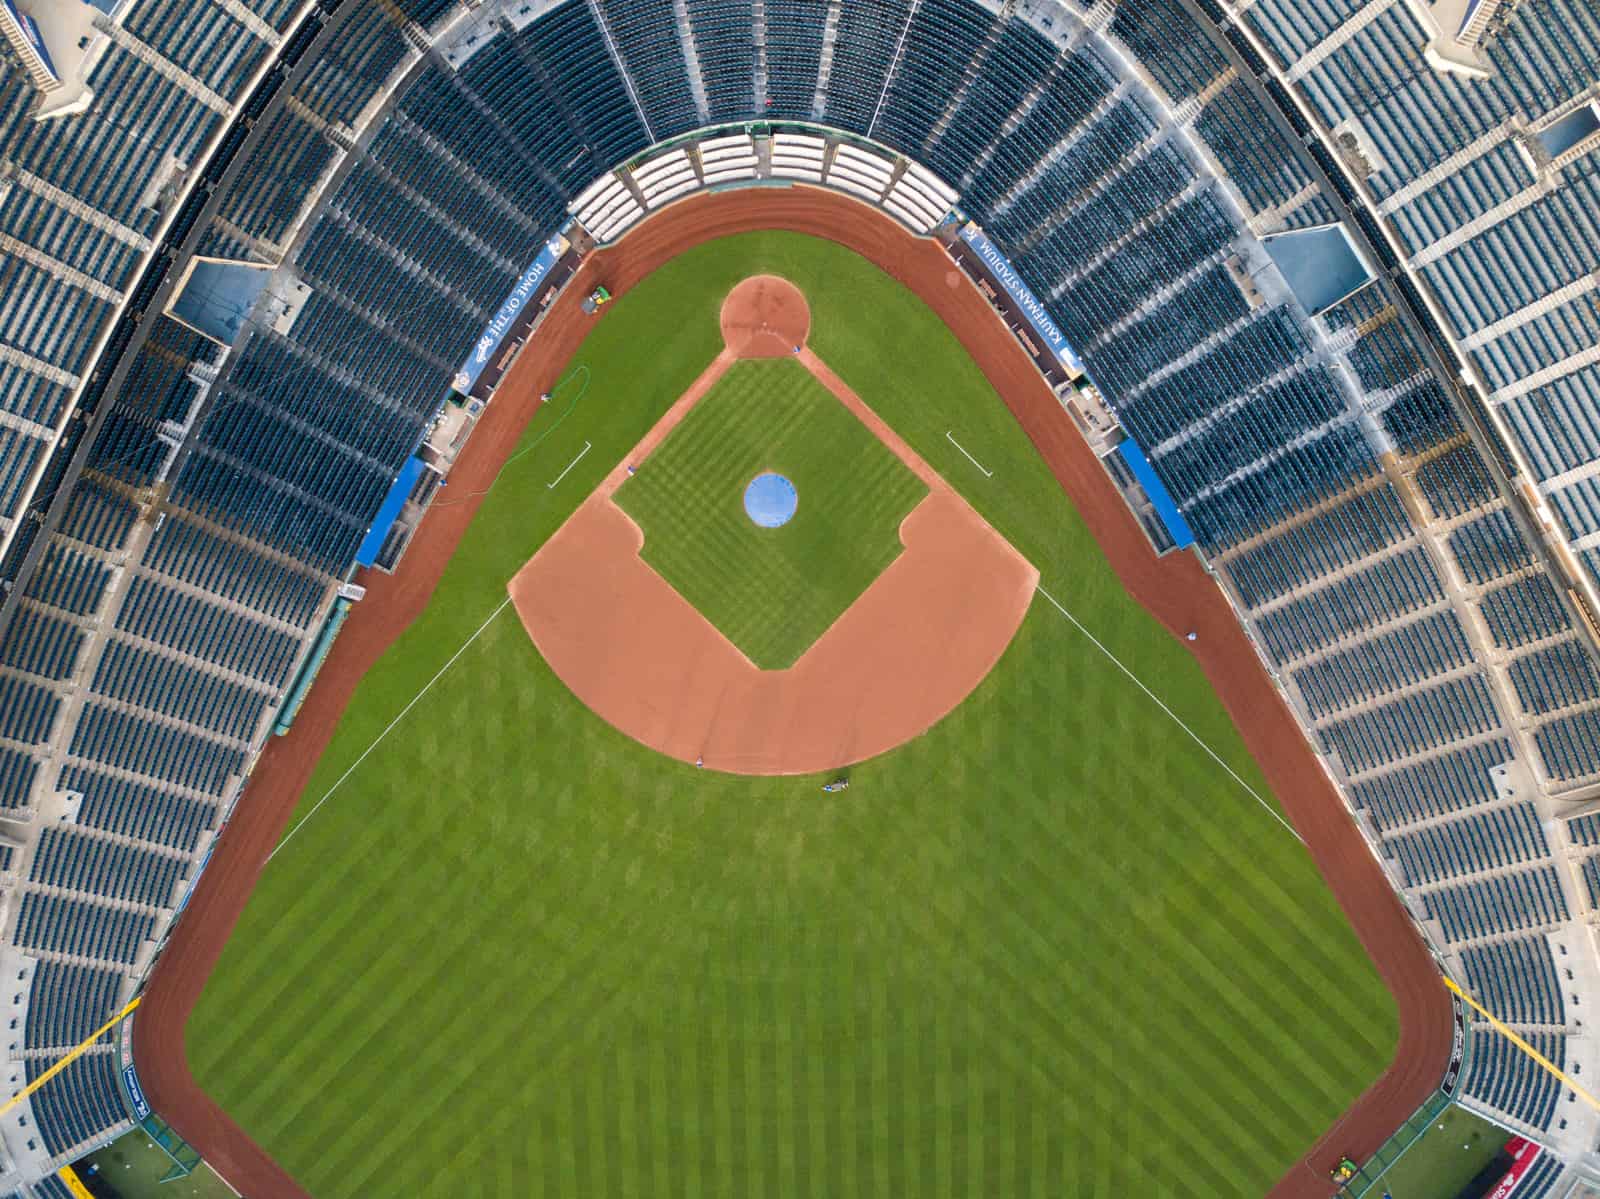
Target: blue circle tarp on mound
{"points": [[770, 500]]}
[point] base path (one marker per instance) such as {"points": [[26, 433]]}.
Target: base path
{"points": [[1175, 589], [914, 644]]}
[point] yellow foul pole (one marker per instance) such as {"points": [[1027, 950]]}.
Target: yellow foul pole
{"points": [[1505, 1032], [76, 1053]]}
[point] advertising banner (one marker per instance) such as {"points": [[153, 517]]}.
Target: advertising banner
{"points": [[141, 1108], [527, 287], [1006, 276], [1458, 1049], [30, 30], [1523, 1155]]}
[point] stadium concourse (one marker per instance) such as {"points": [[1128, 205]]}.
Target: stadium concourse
{"points": [[1316, 280]]}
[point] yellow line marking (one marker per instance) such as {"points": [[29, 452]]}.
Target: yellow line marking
{"points": [[71, 1057], [1526, 1048], [69, 1176]]}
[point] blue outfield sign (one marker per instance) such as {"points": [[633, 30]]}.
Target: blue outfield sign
{"points": [[1021, 294], [141, 1107], [527, 287], [30, 30]]}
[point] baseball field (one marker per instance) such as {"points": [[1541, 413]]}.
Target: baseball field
{"points": [[1051, 947]]}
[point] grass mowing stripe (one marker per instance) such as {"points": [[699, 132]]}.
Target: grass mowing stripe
{"points": [[670, 1115], [943, 1107], [630, 1115], [722, 1088], [811, 1175], [1106, 1001]]}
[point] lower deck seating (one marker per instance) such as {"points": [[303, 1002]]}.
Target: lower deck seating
{"points": [[155, 749], [48, 1187], [1555, 677], [1444, 783], [725, 48], [194, 555], [156, 682], [1516, 980], [27, 711], [1388, 590], [1589, 872], [794, 55], [42, 644], [1503, 903], [136, 809], [1541, 1180], [647, 37], [1470, 844], [1412, 724], [1506, 1079], [78, 861], [1490, 547], [223, 637], [17, 772], [1524, 611], [71, 926], [1363, 525], [1570, 746], [1456, 482], [80, 1104], [1388, 662], [867, 35], [67, 1003]]}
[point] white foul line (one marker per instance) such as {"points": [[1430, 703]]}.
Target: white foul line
{"points": [[389, 729], [1195, 737], [987, 474], [570, 465], [1078, 624]]}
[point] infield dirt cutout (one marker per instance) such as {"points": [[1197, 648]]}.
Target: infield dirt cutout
{"points": [[915, 644]]}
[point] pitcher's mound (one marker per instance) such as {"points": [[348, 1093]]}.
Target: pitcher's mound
{"points": [[765, 316]]}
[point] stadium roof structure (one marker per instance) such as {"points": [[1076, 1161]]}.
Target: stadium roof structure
{"points": [[1321, 266], [215, 297], [1331, 265]]}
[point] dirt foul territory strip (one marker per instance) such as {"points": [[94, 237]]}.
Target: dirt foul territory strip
{"points": [[1175, 589], [912, 646]]}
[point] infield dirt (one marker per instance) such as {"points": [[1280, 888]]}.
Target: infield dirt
{"points": [[912, 647], [1175, 589]]}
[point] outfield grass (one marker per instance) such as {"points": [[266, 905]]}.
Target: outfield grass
{"points": [[772, 592], [1046, 949], [1445, 1158]]}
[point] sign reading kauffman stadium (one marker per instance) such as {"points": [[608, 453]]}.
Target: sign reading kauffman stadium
{"points": [[527, 287], [1021, 294]]}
